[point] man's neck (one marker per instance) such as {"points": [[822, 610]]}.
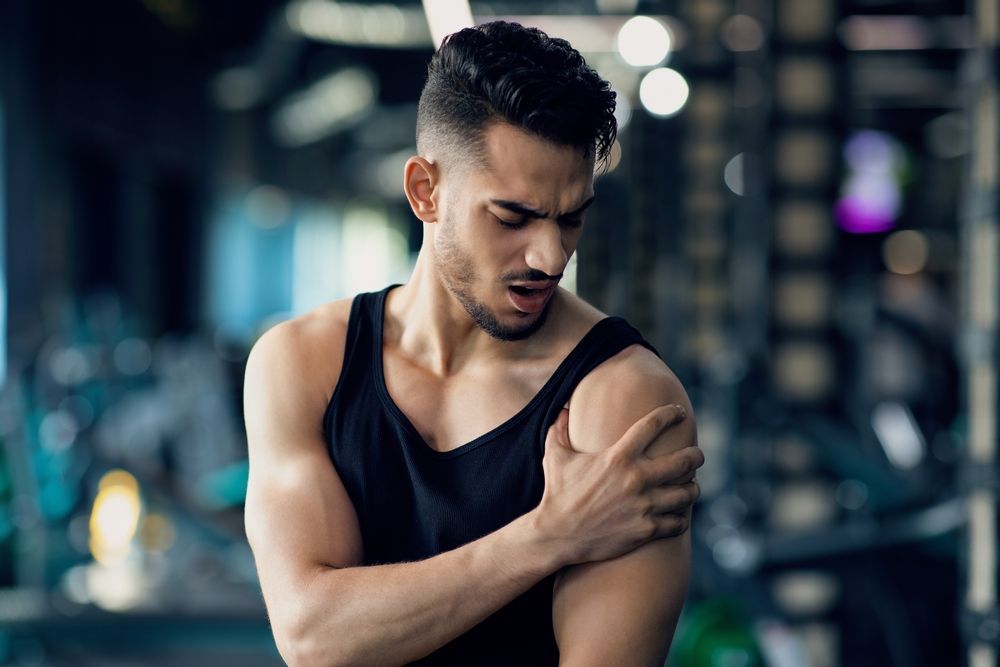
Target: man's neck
{"points": [[428, 324]]}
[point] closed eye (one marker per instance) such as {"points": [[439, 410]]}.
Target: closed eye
{"points": [[509, 224], [571, 219]]}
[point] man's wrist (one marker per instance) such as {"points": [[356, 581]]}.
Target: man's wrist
{"points": [[540, 552], [524, 550]]}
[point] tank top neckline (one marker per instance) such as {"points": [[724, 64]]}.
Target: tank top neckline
{"points": [[416, 440]]}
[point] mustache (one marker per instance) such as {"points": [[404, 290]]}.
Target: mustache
{"points": [[532, 275]]}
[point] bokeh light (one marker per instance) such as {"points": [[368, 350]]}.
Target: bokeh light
{"points": [[663, 92], [906, 252], [644, 42], [872, 192], [733, 175], [742, 33], [114, 517]]}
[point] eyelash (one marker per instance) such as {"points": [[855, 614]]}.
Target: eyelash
{"points": [[508, 224], [572, 224]]}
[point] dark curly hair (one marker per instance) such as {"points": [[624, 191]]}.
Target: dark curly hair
{"points": [[503, 71]]}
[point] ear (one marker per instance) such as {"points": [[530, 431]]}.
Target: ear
{"points": [[420, 182]]}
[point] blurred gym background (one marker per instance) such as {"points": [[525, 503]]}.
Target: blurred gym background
{"points": [[801, 214]]}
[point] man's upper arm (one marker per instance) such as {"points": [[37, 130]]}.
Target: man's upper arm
{"points": [[624, 610], [298, 516]]}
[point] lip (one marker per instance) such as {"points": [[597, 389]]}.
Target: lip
{"points": [[535, 284], [535, 302]]}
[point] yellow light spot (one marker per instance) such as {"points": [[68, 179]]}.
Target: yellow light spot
{"points": [[118, 478], [114, 517]]}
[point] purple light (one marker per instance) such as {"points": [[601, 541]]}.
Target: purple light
{"points": [[871, 194], [858, 216]]}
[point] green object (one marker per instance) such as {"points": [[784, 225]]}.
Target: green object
{"points": [[714, 633]]}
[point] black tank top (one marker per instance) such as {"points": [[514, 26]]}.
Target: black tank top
{"points": [[414, 502]]}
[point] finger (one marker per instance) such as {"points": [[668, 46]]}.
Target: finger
{"points": [[675, 467], [642, 433], [675, 498], [670, 525], [558, 433]]}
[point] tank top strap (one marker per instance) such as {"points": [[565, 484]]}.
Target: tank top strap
{"points": [[363, 327], [360, 328], [363, 323], [604, 340]]}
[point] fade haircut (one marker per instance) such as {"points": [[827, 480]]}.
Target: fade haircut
{"points": [[505, 72]]}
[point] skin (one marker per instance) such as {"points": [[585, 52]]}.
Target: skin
{"points": [[618, 466]]}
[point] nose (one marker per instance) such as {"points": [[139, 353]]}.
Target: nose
{"points": [[545, 251]]}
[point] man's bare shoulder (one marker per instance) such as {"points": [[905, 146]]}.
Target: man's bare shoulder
{"points": [[624, 388], [310, 333], [306, 350], [634, 370], [636, 367]]}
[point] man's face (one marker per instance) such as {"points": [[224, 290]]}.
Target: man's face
{"points": [[506, 231]]}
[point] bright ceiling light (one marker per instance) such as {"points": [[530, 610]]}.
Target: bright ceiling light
{"points": [[663, 92], [447, 16], [330, 105], [644, 42], [358, 24]]}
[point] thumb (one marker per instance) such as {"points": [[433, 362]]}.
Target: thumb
{"points": [[558, 435]]}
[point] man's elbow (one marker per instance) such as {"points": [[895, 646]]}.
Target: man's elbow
{"points": [[301, 643], [295, 644], [304, 650]]}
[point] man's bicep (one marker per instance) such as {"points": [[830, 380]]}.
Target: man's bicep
{"points": [[298, 515], [624, 610]]}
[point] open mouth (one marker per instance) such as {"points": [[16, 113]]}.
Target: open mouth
{"points": [[525, 291], [530, 299]]}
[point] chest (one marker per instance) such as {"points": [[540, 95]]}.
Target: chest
{"points": [[450, 413]]}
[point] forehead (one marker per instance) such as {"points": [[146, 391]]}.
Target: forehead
{"points": [[523, 167]]}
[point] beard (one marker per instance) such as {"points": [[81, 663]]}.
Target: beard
{"points": [[489, 323], [457, 271]]}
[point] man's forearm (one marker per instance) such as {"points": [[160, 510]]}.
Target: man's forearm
{"points": [[397, 613]]}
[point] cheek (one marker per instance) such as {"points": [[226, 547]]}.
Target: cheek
{"points": [[570, 240], [497, 244]]}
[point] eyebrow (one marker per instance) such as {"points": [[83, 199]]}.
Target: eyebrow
{"points": [[528, 212]]}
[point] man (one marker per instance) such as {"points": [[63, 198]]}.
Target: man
{"points": [[399, 507]]}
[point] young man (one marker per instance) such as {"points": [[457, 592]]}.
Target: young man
{"points": [[399, 506]]}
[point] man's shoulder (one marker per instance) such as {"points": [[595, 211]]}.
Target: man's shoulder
{"points": [[636, 366], [621, 390], [635, 376], [313, 327], [309, 345], [634, 370]]}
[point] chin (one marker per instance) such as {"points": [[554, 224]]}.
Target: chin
{"points": [[506, 326], [519, 327]]}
